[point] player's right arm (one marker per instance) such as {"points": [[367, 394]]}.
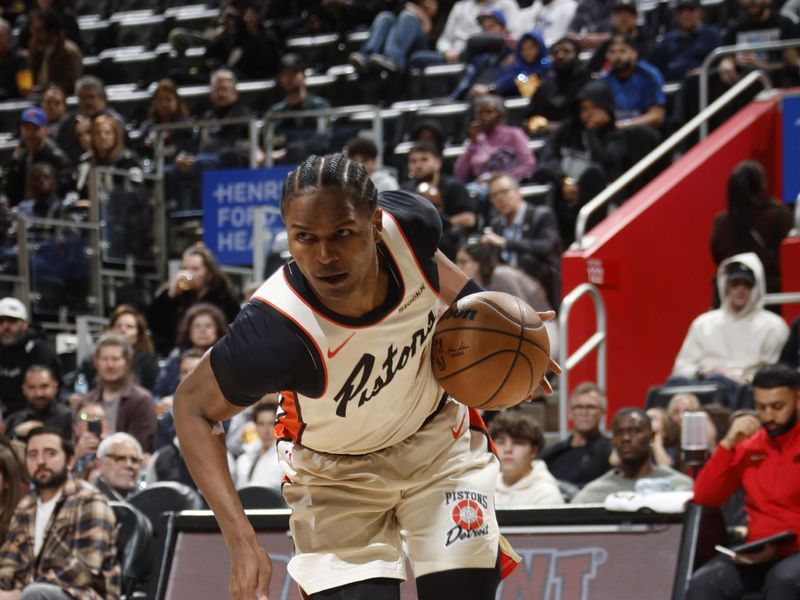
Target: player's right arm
{"points": [[199, 404]]}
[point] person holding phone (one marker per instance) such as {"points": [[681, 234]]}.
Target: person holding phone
{"points": [[761, 455], [89, 427]]}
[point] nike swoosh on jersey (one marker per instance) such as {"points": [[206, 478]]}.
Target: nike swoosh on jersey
{"points": [[332, 353], [457, 432]]}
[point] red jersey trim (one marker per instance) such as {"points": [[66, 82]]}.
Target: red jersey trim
{"points": [[290, 424], [476, 423], [311, 337], [413, 256]]}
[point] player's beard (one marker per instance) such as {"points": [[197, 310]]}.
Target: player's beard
{"points": [[54, 481]]}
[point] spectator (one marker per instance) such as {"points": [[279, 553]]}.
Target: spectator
{"points": [[72, 557], [54, 105], [461, 24], [754, 222], [92, 101], [52, 57], [623, 22], [591, 25], [167, 108], [298, 137], [583, 455], [636, 85], [457, 208], [259, 464], [393, 38], [65, 14], [129, 408], [20, 347], [523, 479], [550, 18], [729, 344], [759, 23], [119, 459], [244, 45], [40, 388], [482, 264], [430, 132], [525, 235], [365, 152], [632, 438], [35, 147], [199, 279], [44, 202], [128, 321], [582, 155], [493, 146], [107, 150], [553, 99], [13, 67], [666, 438], [682, 49], [523, 76], [486, 53], [757, 455], [680, 404], [200, 328], [13, 480], [90, 426]]}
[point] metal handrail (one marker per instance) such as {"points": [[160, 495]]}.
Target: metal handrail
{"points": [[784, 298], [568, 362], [662, 150], [732, 49], [321, 114]]}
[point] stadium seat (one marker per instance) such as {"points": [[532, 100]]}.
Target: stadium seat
{"points": [[139, 28], [9, 115], [318, 51], [658, 396], [261, 496], [435, 81], [134, 536], [165, 496]]}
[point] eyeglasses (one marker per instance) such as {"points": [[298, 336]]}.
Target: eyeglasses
{"points": [[121, 458], [585, 408]]}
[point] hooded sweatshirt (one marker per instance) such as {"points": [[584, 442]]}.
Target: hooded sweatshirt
{"points": [[506, 85], [736, 343]]}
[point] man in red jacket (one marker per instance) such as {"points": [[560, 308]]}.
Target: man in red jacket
{"points": [[762, 456]]}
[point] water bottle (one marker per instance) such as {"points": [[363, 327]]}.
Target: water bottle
{"points": [[81, 385], [694, 438]]}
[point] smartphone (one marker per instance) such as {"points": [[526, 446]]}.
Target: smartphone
{"points": [[95, 427], [742, 550]]}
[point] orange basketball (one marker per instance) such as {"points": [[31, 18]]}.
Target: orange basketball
{"points": [[490, 350]]}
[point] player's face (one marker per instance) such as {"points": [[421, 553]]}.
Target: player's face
{"points": [[333, 242], [775, 406], [516, 456]]}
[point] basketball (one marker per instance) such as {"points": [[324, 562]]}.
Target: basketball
{"points": [[490, 350]]}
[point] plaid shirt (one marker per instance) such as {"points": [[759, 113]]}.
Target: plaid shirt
{"points": [[78, 554]]}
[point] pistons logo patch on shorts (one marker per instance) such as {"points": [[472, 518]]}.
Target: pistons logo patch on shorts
{"points": [[468, 516]]}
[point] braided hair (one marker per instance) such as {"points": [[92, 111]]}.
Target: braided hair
{"points": [[330, 171]]}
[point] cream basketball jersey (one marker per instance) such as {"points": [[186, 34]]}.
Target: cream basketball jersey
{"points": [[365, 385]]}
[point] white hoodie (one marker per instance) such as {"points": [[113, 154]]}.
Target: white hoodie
{"points": [[736, 344]]}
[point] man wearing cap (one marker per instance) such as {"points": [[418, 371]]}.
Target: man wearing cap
{"points": [[683, 48], [729, 344], [297, 138], [19, 349], [636, 85], [624, 19], [35, 147], [551, 18]]}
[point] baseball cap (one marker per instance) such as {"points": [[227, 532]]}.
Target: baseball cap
{"points": [[11, 307], [737, 270], [625, 5], [35, 115], [292, 61], [492, 13]]}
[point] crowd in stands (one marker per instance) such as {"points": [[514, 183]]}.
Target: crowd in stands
{"points": [[591, 74]]}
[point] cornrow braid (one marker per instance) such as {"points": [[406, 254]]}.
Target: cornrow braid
{"points": [[331, 171]]}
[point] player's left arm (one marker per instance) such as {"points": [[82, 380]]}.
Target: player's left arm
{"points": [[454, 284]]}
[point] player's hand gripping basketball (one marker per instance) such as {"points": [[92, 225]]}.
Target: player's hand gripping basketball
{"points": [[251, 570]]}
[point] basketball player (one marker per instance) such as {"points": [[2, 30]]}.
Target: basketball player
{"points": [[372, 447]]}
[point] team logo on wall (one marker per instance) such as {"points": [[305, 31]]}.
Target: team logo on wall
{"points": [[468, 510]]}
